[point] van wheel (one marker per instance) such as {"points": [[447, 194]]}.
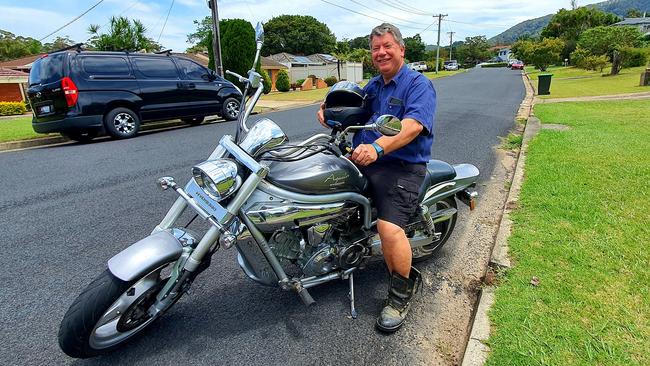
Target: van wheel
{"points": [[230, 109], [193, 121], [122, 123], [80, 136]]}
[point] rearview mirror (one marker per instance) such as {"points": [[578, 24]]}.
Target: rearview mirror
{"points": [[259, 33], [388, 125]]}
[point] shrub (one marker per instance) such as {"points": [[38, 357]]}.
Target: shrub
{"points": [[267, 82], [595, 62], [282, 82], [12, 108], [578, 57], [299, 82], [497, 64], [330, 80], [633, 57]]}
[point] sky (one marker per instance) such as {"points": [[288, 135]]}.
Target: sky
{"points": [[465, 18]]}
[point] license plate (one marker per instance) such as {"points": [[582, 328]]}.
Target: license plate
{"points": [[206, 202], [45, 109]]}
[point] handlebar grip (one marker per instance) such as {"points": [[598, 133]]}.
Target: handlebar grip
{"points": [[306, 297]]}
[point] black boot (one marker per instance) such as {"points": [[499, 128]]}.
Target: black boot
{"points": [[397, 305]]}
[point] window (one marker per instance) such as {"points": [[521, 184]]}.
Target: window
{"points": [[47, 69], [156, 67], [105, 65], [193, 70]]}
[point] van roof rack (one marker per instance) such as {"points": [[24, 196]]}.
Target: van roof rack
{"points": [[76, 46], [167, 52]]}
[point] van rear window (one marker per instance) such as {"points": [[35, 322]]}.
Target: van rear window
{"points": [[47, 69], [105, 66]]}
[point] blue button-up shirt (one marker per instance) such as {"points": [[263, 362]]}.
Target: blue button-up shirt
{"points": [[408, 95]]}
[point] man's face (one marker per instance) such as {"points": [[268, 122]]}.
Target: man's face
{"points": [[387, 54]]}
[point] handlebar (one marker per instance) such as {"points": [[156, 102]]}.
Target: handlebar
{"points": [[239, 77]]}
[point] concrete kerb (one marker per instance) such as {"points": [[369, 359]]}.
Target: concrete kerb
{"points": [[157, 126], [476, 351]]}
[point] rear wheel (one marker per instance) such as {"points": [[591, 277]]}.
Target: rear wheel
{"points": [[444, 228], [122, 123], [193, 121], [109, 312], [230, 109]]}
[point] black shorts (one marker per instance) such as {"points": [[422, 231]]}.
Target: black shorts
{"points": [[394, 187]]}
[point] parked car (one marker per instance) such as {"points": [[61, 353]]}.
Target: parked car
{"points": [[517, 65], [83, 93], [451, 65], [420, 66]]}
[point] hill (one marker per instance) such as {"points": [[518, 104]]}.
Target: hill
{"points": [[533, 27]]}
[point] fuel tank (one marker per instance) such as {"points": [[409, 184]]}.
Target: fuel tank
{"points": [[318, 174]]}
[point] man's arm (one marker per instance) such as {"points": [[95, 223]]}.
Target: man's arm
{"points": [[366, 154]]}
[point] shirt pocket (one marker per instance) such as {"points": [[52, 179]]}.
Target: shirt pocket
{"points": [[395, 107]]}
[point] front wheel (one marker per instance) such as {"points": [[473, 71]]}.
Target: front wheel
{"points": [[230, 109], [443, 230], [109, 312], [122, 123]]}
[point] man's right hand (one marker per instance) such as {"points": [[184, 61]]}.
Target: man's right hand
{"points": [[321, 115]]}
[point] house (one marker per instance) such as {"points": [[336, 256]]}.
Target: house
{"points": [[23, 64], [272, 68], [503, 55], [643, 24], [13, 85], [321, 65]]}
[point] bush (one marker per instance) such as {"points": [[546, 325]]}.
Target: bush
{"points": [[299, 82], [330, 80], [578, 57], [497, 64], [267, 81], [282, 82], [12, 108], [595, 62], [633, 57]]}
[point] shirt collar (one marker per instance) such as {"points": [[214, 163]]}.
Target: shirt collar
{"points": [[396, 79]]}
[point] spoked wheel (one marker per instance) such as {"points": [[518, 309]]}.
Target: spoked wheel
{"points": [[443, 228], [109, 312], [230, 109]]}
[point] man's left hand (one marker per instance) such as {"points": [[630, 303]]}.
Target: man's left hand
{"points": [[364, 154]]}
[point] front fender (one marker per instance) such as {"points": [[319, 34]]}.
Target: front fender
{"points": [[145, 255]]}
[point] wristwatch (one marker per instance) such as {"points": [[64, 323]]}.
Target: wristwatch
{"points": [[378, 149]]}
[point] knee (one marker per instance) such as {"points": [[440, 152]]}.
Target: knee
{"points": [[388, 232]]}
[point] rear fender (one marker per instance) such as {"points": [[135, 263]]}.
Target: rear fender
{"points": [[466, 176], [145, 255]]}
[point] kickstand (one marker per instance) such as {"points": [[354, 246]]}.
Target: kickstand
{"points": [[353, 311]]}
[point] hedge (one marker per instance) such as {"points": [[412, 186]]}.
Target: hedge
{"points": [[282, 81], [498, 64], [12, 108], [330, 80]]}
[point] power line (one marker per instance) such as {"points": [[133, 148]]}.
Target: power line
{"points": [[366, 15], [165, 23], [407, 6], [404, 9], [73, 20], [367, 7]]}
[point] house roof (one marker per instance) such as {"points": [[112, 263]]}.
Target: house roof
{"points": [[634, 21], [8, 72], [23, 62], [201, 58], [322, 58], [287, 58], [269, 63]]}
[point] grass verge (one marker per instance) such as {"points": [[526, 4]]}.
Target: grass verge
{"points": [[19, 128], [582, 229], [574, 82]]}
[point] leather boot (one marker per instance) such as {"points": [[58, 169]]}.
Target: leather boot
{"points": [[400, 293]]}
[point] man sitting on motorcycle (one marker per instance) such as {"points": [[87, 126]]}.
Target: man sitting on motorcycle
{"points": [[395, 166]]}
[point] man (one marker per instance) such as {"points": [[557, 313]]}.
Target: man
{"points": [[395, 165]]}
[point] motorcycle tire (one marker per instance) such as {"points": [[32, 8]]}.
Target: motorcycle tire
{"points": [[86, 328], [446, 228]]}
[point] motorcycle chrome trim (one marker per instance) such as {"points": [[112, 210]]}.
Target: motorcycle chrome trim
{"points": [[218, 177], [202, 203], [240, 155], [323, 198], [249, 109], [271, 216], [247, 188], [265, 249], [218, 152], [318, 280], [265, 134], [252, 260], [140, 257]]}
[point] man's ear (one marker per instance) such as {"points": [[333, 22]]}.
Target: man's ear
{"points": [[403, 50]]}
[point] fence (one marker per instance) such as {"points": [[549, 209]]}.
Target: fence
{"points": [[352, 71]]}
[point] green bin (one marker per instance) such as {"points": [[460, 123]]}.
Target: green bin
{"points": [[544, 84]]}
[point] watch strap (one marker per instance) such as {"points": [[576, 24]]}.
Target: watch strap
{"points": [[378, 149]]}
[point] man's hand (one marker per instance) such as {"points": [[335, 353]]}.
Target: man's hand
{"points": [[364, 154], [321, 115]]}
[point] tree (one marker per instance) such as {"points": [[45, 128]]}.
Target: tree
{"points": [[364, 56], [634, 13], [414, 48], [123, 35], [609, 41], [267, 81], [297, 34], [58, 43], [473, 50], [569, 24], [12, 46], [540, 54], [237, 46], [282, 81], [360, 42]]}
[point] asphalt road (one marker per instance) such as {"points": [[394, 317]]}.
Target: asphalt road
{"points": [[65, 210]]}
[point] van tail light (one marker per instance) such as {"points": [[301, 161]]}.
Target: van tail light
{"points": [[70, 90]]}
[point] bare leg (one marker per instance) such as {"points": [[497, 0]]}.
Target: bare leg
{"points": [[396, 248]]}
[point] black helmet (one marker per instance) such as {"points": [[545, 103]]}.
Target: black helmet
{"points": [[345, 104]]}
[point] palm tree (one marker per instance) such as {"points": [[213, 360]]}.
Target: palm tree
{"points": [[122, 36]]}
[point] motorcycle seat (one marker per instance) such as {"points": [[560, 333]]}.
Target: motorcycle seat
{"points": [[437, 171]]}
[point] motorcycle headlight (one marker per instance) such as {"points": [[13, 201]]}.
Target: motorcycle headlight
{"points": [[218, 178]]}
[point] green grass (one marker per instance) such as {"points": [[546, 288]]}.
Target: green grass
{"points": [[574, 82], [512, 141], [582, 227], [19, 128]]}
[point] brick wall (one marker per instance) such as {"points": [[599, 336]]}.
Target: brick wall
{"points": [[10, 93]]}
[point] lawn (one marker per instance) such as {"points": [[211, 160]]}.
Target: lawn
{"points": [[581, 227], [19, 128], [575, 82]]}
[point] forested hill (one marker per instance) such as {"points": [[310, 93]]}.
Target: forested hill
{"points": [[533, 27]]}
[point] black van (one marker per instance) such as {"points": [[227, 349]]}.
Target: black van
{"points": [[83, 93]]}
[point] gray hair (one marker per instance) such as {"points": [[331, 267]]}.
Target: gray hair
{"points": [[384, 28]]}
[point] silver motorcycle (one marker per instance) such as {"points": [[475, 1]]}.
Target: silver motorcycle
{"points": [[295, 213]]}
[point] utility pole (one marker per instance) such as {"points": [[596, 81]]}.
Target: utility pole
{"points": [[451, 42], [440, 16], [216, 38]]}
